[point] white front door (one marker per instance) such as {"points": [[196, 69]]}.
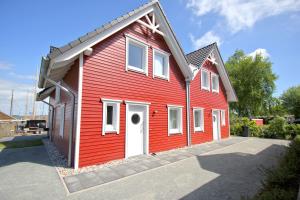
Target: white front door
{"points": [[136, 132], [216, 124]]}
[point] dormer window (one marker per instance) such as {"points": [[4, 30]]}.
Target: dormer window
{"points": [[136, 55]]}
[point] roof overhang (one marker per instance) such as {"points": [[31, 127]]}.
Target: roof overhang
{"points": [[44, 93], [56, 65]]}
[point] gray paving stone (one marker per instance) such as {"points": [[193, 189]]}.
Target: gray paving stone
{"points": [[107, 174], [89, 179], [151, 165], [123, 169], [73, 184], [137, 166]]}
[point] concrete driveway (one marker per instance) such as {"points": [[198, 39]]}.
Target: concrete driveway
{"points": [[226, 173]]}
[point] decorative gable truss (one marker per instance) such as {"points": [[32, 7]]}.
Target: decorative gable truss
{"points": [[151, 23]]}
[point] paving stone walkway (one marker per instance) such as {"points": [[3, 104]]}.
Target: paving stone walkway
{"points": [[142, 163]]}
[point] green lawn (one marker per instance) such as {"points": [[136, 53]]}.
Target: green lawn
{"points": [[20, 144]]}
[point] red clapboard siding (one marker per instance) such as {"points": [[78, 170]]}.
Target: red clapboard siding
{"points": [[71, 81], [208, 101], [104, 76]]}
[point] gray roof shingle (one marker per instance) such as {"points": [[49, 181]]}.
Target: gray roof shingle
{"points": [[55, 51], [199, 56]]}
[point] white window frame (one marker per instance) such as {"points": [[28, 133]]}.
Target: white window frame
{"points": [[57, 93], [201, 128], [208, 79], [115, 128], [179, 130], [223, 118], [137, 42], [61, 114], [218, 83], [166, 64]]}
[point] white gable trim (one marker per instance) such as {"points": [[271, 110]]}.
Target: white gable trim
{"points": [[163, 25]]}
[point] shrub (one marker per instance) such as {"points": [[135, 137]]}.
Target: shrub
{"points": [[292, 130], [283, 182], [236, 127], [276, 128]]}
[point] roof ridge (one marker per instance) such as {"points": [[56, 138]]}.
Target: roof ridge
{"points": [[214, 43]]}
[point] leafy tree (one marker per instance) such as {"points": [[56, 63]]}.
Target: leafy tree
{"points": [[275, 107], [291, 100], [253, 81]]}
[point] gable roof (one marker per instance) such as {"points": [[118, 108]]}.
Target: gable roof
{"points": [[198, 58], [61, 59]]}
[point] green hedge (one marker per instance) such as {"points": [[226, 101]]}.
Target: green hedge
{"points": [[283, 182], [277, 128]]}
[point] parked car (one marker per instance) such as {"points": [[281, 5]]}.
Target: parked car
{"points": [[35, 126]]}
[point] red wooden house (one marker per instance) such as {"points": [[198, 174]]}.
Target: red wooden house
{"points": [[127, 88]]}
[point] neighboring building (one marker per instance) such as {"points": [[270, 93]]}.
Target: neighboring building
{"points": [[5, 117], [258, 122], [135, 90]]}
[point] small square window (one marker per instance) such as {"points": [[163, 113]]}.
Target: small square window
{"points": [[205, 83], [161, 64], [111, 116], [215, 83], [175, 119], [198, 119], [136, 55]]}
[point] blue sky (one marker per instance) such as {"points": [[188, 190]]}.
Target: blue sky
{"points": [[28, 28]]}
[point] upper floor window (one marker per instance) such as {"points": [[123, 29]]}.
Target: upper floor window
{"points": [[215, 82], [136, 55], [161, 64], [111, 116], [175, 119], [205, 83]]}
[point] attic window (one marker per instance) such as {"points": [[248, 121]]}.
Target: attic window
{"points": [[136, 55], [205, 82], [161, 64], [215, 82]]}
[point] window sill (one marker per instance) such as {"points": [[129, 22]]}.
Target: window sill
{"points": [[215, 91], [161, 77], [110, 132], [171, 134], [206, 89], [133, 69]]}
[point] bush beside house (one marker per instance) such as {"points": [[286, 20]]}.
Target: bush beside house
{"points": [[277, 128], [282, 183]]}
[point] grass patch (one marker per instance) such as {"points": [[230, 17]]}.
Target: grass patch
{"points": [[20, 144], [282, 183]]}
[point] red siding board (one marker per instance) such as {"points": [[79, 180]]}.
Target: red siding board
{"points": [[104, 76]]}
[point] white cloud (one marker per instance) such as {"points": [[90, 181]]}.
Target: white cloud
{"points": [[5, 66], [242, 14], [206, 39], [21, 76], [263, 52]]}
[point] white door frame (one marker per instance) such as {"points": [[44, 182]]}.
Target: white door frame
{"points": [[146, 135], [219, 123]]}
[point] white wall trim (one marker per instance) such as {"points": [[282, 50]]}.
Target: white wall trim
{"points": [[111, 100], [79, 106], [174, 106], [137, 102]]}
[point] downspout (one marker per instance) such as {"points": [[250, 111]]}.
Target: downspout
{"points": [[187, 85], [50, 125], [72, 96]]}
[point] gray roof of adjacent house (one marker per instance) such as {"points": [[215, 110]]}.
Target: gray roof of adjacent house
{"points": [[199, 56]]}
